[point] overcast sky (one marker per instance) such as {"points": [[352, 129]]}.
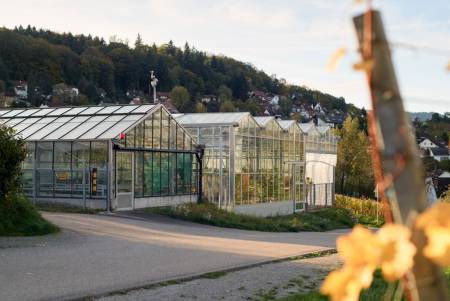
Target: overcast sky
{"points": [[292, 39]]}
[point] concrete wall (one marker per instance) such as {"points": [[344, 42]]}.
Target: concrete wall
{"points": [[164, 201], [72, 202], [266, 209]]}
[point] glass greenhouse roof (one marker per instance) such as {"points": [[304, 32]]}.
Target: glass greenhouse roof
{"points": [[205, 119], [263, 120], [286, 124], [74, 123]]}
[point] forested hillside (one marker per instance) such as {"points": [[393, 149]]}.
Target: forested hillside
{"points": [[114, 71]]}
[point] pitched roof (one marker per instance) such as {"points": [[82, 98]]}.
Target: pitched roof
{"points": [[204, 119], [74, 123], [440, 151], [263, 120], [286, 124]]}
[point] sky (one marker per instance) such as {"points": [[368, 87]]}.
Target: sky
{"points": [[293, 39]]}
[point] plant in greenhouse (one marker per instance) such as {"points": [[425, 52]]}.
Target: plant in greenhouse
{"points": [[390, 249]]}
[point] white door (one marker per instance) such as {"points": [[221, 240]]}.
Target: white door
{"points": [[125, 180]]}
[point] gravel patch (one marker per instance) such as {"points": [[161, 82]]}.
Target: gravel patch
{"points": [[264, 282]]}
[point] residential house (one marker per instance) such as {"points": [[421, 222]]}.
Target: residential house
{"points": [[21, 90], [209, 98], [439, 153]]}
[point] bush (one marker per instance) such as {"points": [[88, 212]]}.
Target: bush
{"points": [[365, 211], [18, 217], [208, 213]]}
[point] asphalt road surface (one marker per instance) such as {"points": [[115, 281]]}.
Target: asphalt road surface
{"points": [[96, 254]]}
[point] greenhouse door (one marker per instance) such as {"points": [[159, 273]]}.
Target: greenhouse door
{"points": [[124, 180]]}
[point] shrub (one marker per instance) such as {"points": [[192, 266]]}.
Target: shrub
{"points": [[366, 211], [208, 213], [19, 217]]}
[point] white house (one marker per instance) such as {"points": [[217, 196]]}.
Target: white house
{"points": [[426, 144], [440, 153]]}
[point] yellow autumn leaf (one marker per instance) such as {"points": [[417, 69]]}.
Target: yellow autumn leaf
{"points": [[359, 248], [366, 65], [438, 245], [336, 58], [448, 66], [397, 251], [435, 223], [342, 285]]}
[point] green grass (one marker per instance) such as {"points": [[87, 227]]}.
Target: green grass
{"points": [[377, 291], [18, 217], [320, 220]]}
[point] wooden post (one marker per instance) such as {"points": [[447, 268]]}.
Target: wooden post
{"points": [[401, 167]]}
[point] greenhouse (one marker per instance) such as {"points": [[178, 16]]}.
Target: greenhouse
{"points": [[251, 165], [320, 163], [118, 157]]}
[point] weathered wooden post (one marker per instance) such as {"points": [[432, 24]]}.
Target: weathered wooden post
{"points": [[402, 181]]}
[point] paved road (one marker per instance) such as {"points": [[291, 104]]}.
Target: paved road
{"points": [[95, 254]]}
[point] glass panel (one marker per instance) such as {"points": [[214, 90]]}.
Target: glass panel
{"points": [[28, 163], [139, 174], [63, 183], [156, 174], [144, 109], [173, 134], [121, 127], [14, 121], [125, 109], [148, 174], [157, 129], [62, 155], [164, 174], [80, 154], [3, 112], [58, 112], [44, 182], [102, 126], [43, 112], [124, 172], [99, 154], [91, 110], [109, 110], [26, 123], [4, 120], [148, 139], [129, 138], [27, 112], [139, 142], [44, 154], [85, 127], [27, 182], [164, 130], [12, 113], [65, 128], [172, 173], [180, 138], [75, 111], [49, 128], [36, 127]]}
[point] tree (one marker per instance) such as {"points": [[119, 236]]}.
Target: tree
{"points": [[224, 93], [138, 44], [285, 104], [200, 108], [227, 106], [181, 99], [12, 153], [354, 174]]}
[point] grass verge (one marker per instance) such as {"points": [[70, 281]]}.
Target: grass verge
{"points": [[207, 213], [18, 217], [379, 290]]}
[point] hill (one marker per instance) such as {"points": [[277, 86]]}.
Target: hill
{"points": [[115, 72]]}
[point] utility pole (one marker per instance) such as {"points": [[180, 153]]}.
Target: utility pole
{"points": [[153, 83], [400, 166]]}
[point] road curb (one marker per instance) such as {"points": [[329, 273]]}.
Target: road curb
{"points": [[187, 278]]}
